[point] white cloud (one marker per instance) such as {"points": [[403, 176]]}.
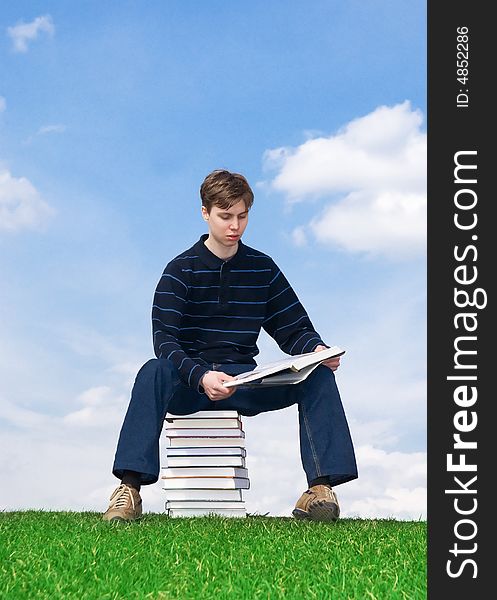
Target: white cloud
{"points": [[79, 441], [372, 173], [390, 484], [80, 453], [89, 342], [21, 206], [299, 236], [101, 408], [56, 128], [80, 446], [3, 104], [22, 417], [23, 33], [46, 130], [391, 223]]}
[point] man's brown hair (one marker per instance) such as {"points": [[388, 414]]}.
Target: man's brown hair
{"points": [[224, 189]]}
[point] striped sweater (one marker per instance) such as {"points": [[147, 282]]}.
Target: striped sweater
{"points": [[208, 310]]}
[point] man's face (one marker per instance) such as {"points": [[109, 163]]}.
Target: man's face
{"points": [[226, 225]]}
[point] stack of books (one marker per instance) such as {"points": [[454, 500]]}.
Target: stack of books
{"points": [[205, 471]]}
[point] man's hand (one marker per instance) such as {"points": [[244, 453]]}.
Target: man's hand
{"points": [[212, 382], [331, 363]]}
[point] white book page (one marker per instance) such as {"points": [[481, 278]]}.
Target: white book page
{"points": [[294, 363]]}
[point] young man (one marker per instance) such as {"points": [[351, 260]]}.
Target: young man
{"points": [[209, 307]]}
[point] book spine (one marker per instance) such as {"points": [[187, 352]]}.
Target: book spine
{"points": [[203, 495], [196, 483], [208, 433], [189, 472], [186, 442], [205, 461], [205, 504], [206, 451], [206, 414], [204, 424], [184, 512]]}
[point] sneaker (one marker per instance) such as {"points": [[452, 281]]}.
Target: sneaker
{"points": [[318, 503], [125, 504]]}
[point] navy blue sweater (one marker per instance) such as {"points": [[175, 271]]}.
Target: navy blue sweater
{"points": [[208, 310]]}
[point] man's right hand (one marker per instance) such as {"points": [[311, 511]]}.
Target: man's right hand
{"points": [[212, 382]]}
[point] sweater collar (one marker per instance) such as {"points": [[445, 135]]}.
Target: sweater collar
{"points": [[211, 260]]}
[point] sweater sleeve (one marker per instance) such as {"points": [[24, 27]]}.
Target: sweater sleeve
{"points": [[169, 304], [286, 319]]}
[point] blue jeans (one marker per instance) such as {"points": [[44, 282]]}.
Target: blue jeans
{"points": [[325, 444]]}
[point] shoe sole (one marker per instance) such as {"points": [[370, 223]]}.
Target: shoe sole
{"points": [[122, 519], [321, 510]]}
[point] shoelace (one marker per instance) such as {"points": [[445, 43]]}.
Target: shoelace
{"points": [[330, 493], [122, 496]]}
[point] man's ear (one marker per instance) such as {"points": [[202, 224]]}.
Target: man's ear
{"points": [[205, 214]]}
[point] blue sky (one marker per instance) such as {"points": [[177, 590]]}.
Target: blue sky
{"points": [[111, 115]]}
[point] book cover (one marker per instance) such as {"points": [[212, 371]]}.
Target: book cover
{"points": [[173, 472], [205, 483]]}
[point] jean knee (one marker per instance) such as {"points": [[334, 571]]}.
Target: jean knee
{"points": [[157, 366], [322, 374], [319, 384]]}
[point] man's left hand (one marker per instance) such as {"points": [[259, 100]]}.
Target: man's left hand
{"points": [[331, 363]]}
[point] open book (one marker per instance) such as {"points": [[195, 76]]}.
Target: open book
{"points": [[291, 370]]}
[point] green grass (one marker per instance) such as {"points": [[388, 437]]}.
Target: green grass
{"points": [[78, 556]]}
